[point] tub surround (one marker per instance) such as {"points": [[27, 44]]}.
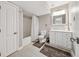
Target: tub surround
{"points": [[26, 41]]}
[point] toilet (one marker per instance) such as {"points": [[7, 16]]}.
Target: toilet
{"points": [[42, 36]]}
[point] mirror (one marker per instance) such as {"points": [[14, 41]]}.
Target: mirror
{"points": [[59, 17]]}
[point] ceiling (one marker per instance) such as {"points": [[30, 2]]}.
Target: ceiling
{"points": [[53, 4], [37, 8]]}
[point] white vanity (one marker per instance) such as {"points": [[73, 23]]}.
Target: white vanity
{"points": [[60, 32], [60, 39], [65, 21]]}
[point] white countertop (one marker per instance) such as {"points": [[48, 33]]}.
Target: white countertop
{"points": [[61, 30]]}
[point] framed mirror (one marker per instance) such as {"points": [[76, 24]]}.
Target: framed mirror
{"points": [[59, 17]]}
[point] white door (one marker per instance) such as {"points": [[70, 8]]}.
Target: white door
{"points": [[0, 30], [11, 29]]}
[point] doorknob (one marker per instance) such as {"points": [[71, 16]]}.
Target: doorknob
{"points": [[15, 33], [0, 30]]}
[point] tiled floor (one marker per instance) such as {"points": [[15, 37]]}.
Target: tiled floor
{"points": [[28, 51]]}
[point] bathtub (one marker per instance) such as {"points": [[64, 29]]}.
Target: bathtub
{"points": [[26, 41]]}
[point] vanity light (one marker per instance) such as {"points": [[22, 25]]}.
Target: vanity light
{"points": [[61, 12]]}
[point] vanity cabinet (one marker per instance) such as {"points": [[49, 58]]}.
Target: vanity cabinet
{"points": [[60, 39]]}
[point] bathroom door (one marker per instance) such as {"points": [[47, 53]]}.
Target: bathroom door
{"points": [[11, 28], [0, 30]]}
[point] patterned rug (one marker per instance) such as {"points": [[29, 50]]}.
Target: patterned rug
{"points": [[37, 44], [54, 52]]}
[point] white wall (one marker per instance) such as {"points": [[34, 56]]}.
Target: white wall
{"points": [[73, 18], [44, 22], [74, 22], [26, 26]]}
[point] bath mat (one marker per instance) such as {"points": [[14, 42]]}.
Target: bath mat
{"points": [[54, 52], [37, 44]]}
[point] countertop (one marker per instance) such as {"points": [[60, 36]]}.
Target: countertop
{"points": [[60, 30]]}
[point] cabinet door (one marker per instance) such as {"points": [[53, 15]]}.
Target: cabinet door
{"points": [[68, 41], [59, 38], [52, 37], [64, 38]]}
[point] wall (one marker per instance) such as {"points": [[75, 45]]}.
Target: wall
{"points": [[73, 17], [44, 22], [74, 22], [26, 26]]}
